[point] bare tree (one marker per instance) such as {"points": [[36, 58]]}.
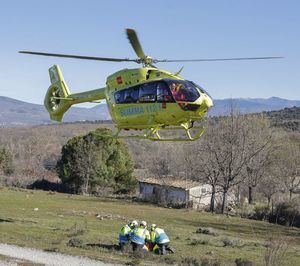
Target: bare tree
{"points": [[269, 186], [203, 161], [288, 165], [226, 149], [259, 138]]}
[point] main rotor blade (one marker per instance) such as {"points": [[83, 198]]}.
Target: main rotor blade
{"points": [[81, 57], [134, 41], [215, 59]]}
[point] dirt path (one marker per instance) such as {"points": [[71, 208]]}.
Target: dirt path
{"points": [[12, 255]]}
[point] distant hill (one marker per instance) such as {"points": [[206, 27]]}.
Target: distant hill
{"points": [[18, 113], [250, 105]]}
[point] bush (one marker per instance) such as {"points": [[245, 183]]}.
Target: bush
{"points": [[206, 231], [96, 162], [195, 242], [189, 261], [46, 185], [287, 213], [77, 230], [276, 249], [245, 210], [75, 242], [261, 212], [228, 242], [243, 262]]}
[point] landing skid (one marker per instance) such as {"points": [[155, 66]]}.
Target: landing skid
{"points": [[153, 133]]}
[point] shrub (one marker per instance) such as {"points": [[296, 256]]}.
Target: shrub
{"points": [[206, 231], [75, 242], [46, 185], [228, 242], [77, 230], [196, 242], [245, 210], [243, 262], [287, 213], [276, 251], [261, 212], [169, 260], [190, 261]]}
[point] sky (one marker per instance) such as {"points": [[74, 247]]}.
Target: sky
{"points": [[166, 29]]}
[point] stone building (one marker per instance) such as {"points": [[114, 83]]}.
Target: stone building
{"points": [[175, 192]]}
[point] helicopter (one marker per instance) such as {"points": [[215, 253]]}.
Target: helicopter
{"points": [[147, 99]]}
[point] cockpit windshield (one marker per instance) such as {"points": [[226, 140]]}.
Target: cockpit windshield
{"points": [[200, 88], [183, 91]]}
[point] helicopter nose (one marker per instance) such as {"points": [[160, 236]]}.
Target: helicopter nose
{"points": [[208, 101]]}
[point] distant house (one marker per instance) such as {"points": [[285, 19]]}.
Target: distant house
{"points": [[175, 192]]}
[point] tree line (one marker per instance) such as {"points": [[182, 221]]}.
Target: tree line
{"points": [[239, 152]]}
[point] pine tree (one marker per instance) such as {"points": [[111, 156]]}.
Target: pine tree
{"points": [[96, 162]]}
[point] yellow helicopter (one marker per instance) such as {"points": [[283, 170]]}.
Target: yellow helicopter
{"points": [[147, 99]]}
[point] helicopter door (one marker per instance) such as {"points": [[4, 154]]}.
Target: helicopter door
{"points": [[163, 93]]}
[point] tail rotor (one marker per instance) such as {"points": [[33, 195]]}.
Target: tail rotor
{"points": [[56, 99]]}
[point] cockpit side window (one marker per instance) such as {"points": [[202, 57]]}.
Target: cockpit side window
{"points": [[156, 91], [119, 96], [131, 95]]}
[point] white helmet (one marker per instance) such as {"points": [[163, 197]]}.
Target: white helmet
{"points": [[153, 226], [143, 223], [134, 223]]}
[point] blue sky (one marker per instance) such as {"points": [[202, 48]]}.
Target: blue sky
{"points": [[167, 29]]}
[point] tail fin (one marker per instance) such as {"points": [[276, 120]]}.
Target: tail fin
{"points": [[58, 98], [56, 101]]}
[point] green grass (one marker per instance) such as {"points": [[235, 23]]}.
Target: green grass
{"points": [[61, 217]]}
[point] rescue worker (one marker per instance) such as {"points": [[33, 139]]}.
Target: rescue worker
{"points": [[159, 239], [140, 236], [125, 233]]}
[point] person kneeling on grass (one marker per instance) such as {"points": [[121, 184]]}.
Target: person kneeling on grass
{"points": [[139, 237], [160, 240], [125, 234]]}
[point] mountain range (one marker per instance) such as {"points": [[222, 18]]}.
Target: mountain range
{"points": [[18, 113]]}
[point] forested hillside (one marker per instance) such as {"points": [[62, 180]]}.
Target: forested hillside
{"points": [[288, 118]]}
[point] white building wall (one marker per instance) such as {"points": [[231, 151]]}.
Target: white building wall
{"points": [[200, 196], [157, 193]]}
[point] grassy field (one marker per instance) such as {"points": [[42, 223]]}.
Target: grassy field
{"points": [[89, 226]]}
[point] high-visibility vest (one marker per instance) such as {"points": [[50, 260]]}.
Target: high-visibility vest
{"points": [[139, 235], [152, 236], [124, 234], [160, 237]]}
